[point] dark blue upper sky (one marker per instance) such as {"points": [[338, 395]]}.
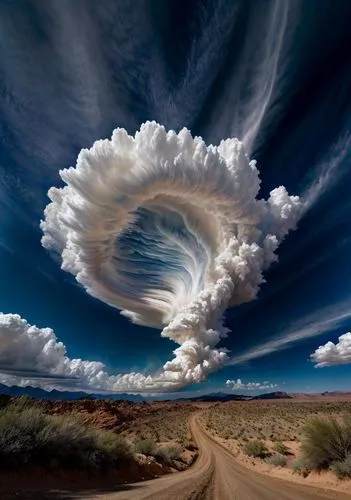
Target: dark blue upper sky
{"points": [[72, 71]]}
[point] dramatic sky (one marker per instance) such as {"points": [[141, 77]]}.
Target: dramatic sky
{"points": [[214, 210]]}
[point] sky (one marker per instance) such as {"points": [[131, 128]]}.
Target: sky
{"points": [[174, 195]]}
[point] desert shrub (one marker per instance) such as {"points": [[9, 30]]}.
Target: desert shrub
{"points": [[167, 453], [145, 446], [21, 403], [113, 445], [18, 435], [280, 448], [342, 468], [299, 466], [277, 460], [68, 441], [256, 448], [226, 434], [326, 440], [28, 436], [173, 451]]}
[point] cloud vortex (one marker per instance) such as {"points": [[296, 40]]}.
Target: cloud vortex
{"points": [[171, 232]]}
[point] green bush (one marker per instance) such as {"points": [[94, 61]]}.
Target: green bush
{"points": [[256, 448], [168, 453], [28, 436], [277, 460], [280, 448], [112, 444], [326, 441], [18, 435], [145, 446], [342, 468], [74, 441], [173, 451], [299, 466]]}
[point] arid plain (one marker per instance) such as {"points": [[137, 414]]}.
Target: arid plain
{"points": [[264, 442]]}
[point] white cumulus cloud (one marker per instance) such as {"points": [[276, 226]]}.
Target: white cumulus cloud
{"points": [[171, 232], [34, 356], [331, 354], [250, 386]]}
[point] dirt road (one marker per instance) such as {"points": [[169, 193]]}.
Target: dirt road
{"points": [[216, 475]]}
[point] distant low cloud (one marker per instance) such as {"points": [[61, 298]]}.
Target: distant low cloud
{"points": [[250, 386], [331, 354], [34, 356]]}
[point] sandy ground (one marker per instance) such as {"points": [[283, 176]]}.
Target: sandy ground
{"points": [[323, 479]]}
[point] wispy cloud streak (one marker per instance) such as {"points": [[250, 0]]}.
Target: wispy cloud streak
{"points": [[312, 325]]}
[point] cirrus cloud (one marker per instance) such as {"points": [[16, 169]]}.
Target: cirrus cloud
{"points": [[311, 325]]}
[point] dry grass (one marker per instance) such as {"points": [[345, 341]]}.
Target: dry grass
{"points": [[164, 426], [164, 434], [281, 429], [268, 420]]}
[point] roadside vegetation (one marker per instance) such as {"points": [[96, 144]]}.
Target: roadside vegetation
{"points": [[256, 449], [164, 453], [164, 426], [97, 435], [302, 436], [29, 437], [326, 443], [165, 436], [276, 460]]}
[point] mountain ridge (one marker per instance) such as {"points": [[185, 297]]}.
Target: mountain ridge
{"points": [[56, 395]]}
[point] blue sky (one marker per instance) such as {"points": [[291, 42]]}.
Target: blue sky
{"points": [[71, 72]]}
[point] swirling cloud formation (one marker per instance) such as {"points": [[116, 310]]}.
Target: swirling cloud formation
{"points": [[171, 232]]}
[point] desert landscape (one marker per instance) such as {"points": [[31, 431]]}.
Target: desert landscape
{"points": [[91, 448], [175, 238], [272, 437]]}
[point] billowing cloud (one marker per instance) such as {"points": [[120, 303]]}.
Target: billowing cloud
{"points": [[169, 231], [250, 386], [32, 355], [331, 354]]}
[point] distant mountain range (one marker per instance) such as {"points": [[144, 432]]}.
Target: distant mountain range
{"points": [[217, 396], [223, 396], [38, 393], [274, 395]]}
